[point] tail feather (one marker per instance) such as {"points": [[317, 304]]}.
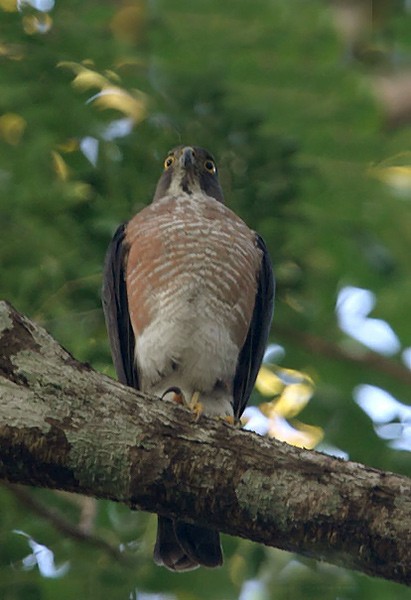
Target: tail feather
{"points": [[183, 547]]}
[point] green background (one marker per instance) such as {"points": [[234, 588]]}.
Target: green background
{"points": [[287, 100]]}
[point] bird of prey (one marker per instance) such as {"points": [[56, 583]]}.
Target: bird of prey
{"points": [[188, 299]]}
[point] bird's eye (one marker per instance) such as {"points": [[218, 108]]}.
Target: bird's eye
{"points": [[168, 162], [210, 166]]}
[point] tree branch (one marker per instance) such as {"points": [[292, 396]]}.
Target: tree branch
{"points": [[315, 344], [64, 426], [59, 522]]}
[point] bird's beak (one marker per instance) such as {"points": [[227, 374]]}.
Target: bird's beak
{"points": [[187, 157]]}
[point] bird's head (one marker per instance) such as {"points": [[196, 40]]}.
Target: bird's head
{"points": [[189, 170]]}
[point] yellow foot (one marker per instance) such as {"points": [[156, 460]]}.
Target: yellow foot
{"points": [[195, 405]]}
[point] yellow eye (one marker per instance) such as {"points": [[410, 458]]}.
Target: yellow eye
{"points": [[210, 166], [168, 162]]}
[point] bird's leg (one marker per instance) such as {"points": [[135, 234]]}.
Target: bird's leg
{"points": [[177, 395], [195, 405]]}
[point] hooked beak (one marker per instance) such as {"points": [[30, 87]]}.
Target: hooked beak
{"points": [[187, 157]]}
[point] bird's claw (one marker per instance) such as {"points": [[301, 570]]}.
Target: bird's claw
{"points": [[196, 406], [174, 394]]}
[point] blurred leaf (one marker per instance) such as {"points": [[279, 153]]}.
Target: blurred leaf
{"points": [[294, 432], [12, 128], [8, 5], [131, 105], [286, 104], [397, 177]]}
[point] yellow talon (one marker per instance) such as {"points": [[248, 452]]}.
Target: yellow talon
{"points": [[195, 405]]}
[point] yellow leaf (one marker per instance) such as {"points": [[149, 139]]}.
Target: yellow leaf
{"points": [[82, 191], [311, 434], [272, 380], [118, 99], [12, 128], [236, 567], [70, 145], [112, 75], [132, 104], [398, 177], [269, 409], [60, 166], [291, 376], [302, 435], [11, 51], [86, 78], [268, 383], [37, 24], [8, 5], [293, 399], [394, 171]]}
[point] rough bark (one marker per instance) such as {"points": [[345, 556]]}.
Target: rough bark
{"points": [[65, 426]]}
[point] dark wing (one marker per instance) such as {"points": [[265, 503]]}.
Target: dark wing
{"points": [[115, 306], [252, 352]]}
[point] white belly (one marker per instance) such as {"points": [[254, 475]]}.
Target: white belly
{"points": [[185, 348]]}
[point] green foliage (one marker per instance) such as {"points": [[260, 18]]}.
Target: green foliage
{"points": [[268, 88]]}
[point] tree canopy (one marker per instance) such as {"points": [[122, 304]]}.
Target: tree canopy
{"points": [[308, 119]]}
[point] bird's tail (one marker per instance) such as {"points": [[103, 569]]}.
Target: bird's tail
{"points": [[183, 547]]}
